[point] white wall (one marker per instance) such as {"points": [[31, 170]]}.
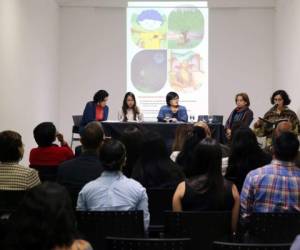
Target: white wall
{"points": [[288, 49], [28, 66], [93, 55]]}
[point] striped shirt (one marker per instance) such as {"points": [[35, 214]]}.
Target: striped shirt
{"points": [[16, 177], [272, 188]]}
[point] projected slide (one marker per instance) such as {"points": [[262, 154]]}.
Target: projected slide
{"points": [[167, 50]]}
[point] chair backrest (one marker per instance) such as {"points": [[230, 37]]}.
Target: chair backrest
{"points": [[96, 225], [77, 119], [10, 200], [218, 245], [216, 119], [46, 173], [159, 200], [114, 243], [202, 227], [274, 227]]}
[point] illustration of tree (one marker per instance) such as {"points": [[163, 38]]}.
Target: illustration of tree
{"points": [[185, 20]]}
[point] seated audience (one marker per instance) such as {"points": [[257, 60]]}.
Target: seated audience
{"points": [[181, 134], [184, 158], [274, 187], [113, 190], [205, 189], [13, 176], [154, 168], [172, 112], [241, 113], [47, 153], [45, 220], [246, 155], [130, 111], [132, 138], [75, 173]]}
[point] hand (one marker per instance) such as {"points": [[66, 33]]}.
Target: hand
{"points": [[257, 124], [60, 138], [228, 133]]}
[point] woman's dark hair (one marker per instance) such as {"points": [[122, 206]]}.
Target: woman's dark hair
{"points": [[132, 138], [207, 162], [245, 98], [286, 146], [44, 220], [154, 168], [44, 134], [170, 96], [125, 106], [185, 156], [182, 132], [245, 155], [100, 96], [112, 155], [283, 94], [10, 144]]}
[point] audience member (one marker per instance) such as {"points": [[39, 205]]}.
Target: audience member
{"points": [[47, 153], [181, 134], [274, 187], [205, 189], [154, 168], [113, 190], [184, 158], [13, 176], [75, 173], [246, 155], [45, 220], [132, 138]]}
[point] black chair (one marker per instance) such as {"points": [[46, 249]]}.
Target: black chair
{"points": [[46, 173], [159, 200], [114, 243], [95, 226], [217, 245], [10, 200], [75, 128], [216, 119], [273, 227], [202, 227]]}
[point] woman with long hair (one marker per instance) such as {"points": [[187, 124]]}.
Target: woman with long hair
{"points": [[245, 155], [154, 168], [130, 111], [205, 189]]}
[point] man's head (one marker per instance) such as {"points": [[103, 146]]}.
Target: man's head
{"points": [[112, 155], [92, 136], [282, 127], [286, 146], [45, 134]]}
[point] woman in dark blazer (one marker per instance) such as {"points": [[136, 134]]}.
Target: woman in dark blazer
{"points": [[95, 110]]}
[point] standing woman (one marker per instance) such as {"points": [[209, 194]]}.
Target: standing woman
{"points": [[280, 110], [95, 110], [130, 111], [241, 113], [172, 111]]}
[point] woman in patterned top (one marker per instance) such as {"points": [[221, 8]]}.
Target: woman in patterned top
{"points": [[45, 220], [280, 111]]}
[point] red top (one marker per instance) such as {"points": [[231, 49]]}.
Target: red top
{"points": [[99, 113], [50, 156]]}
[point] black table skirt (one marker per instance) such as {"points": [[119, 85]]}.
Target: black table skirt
{"points": [[166, 130]]}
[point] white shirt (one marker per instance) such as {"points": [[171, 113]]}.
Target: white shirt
{"points": [[130, 116]]}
